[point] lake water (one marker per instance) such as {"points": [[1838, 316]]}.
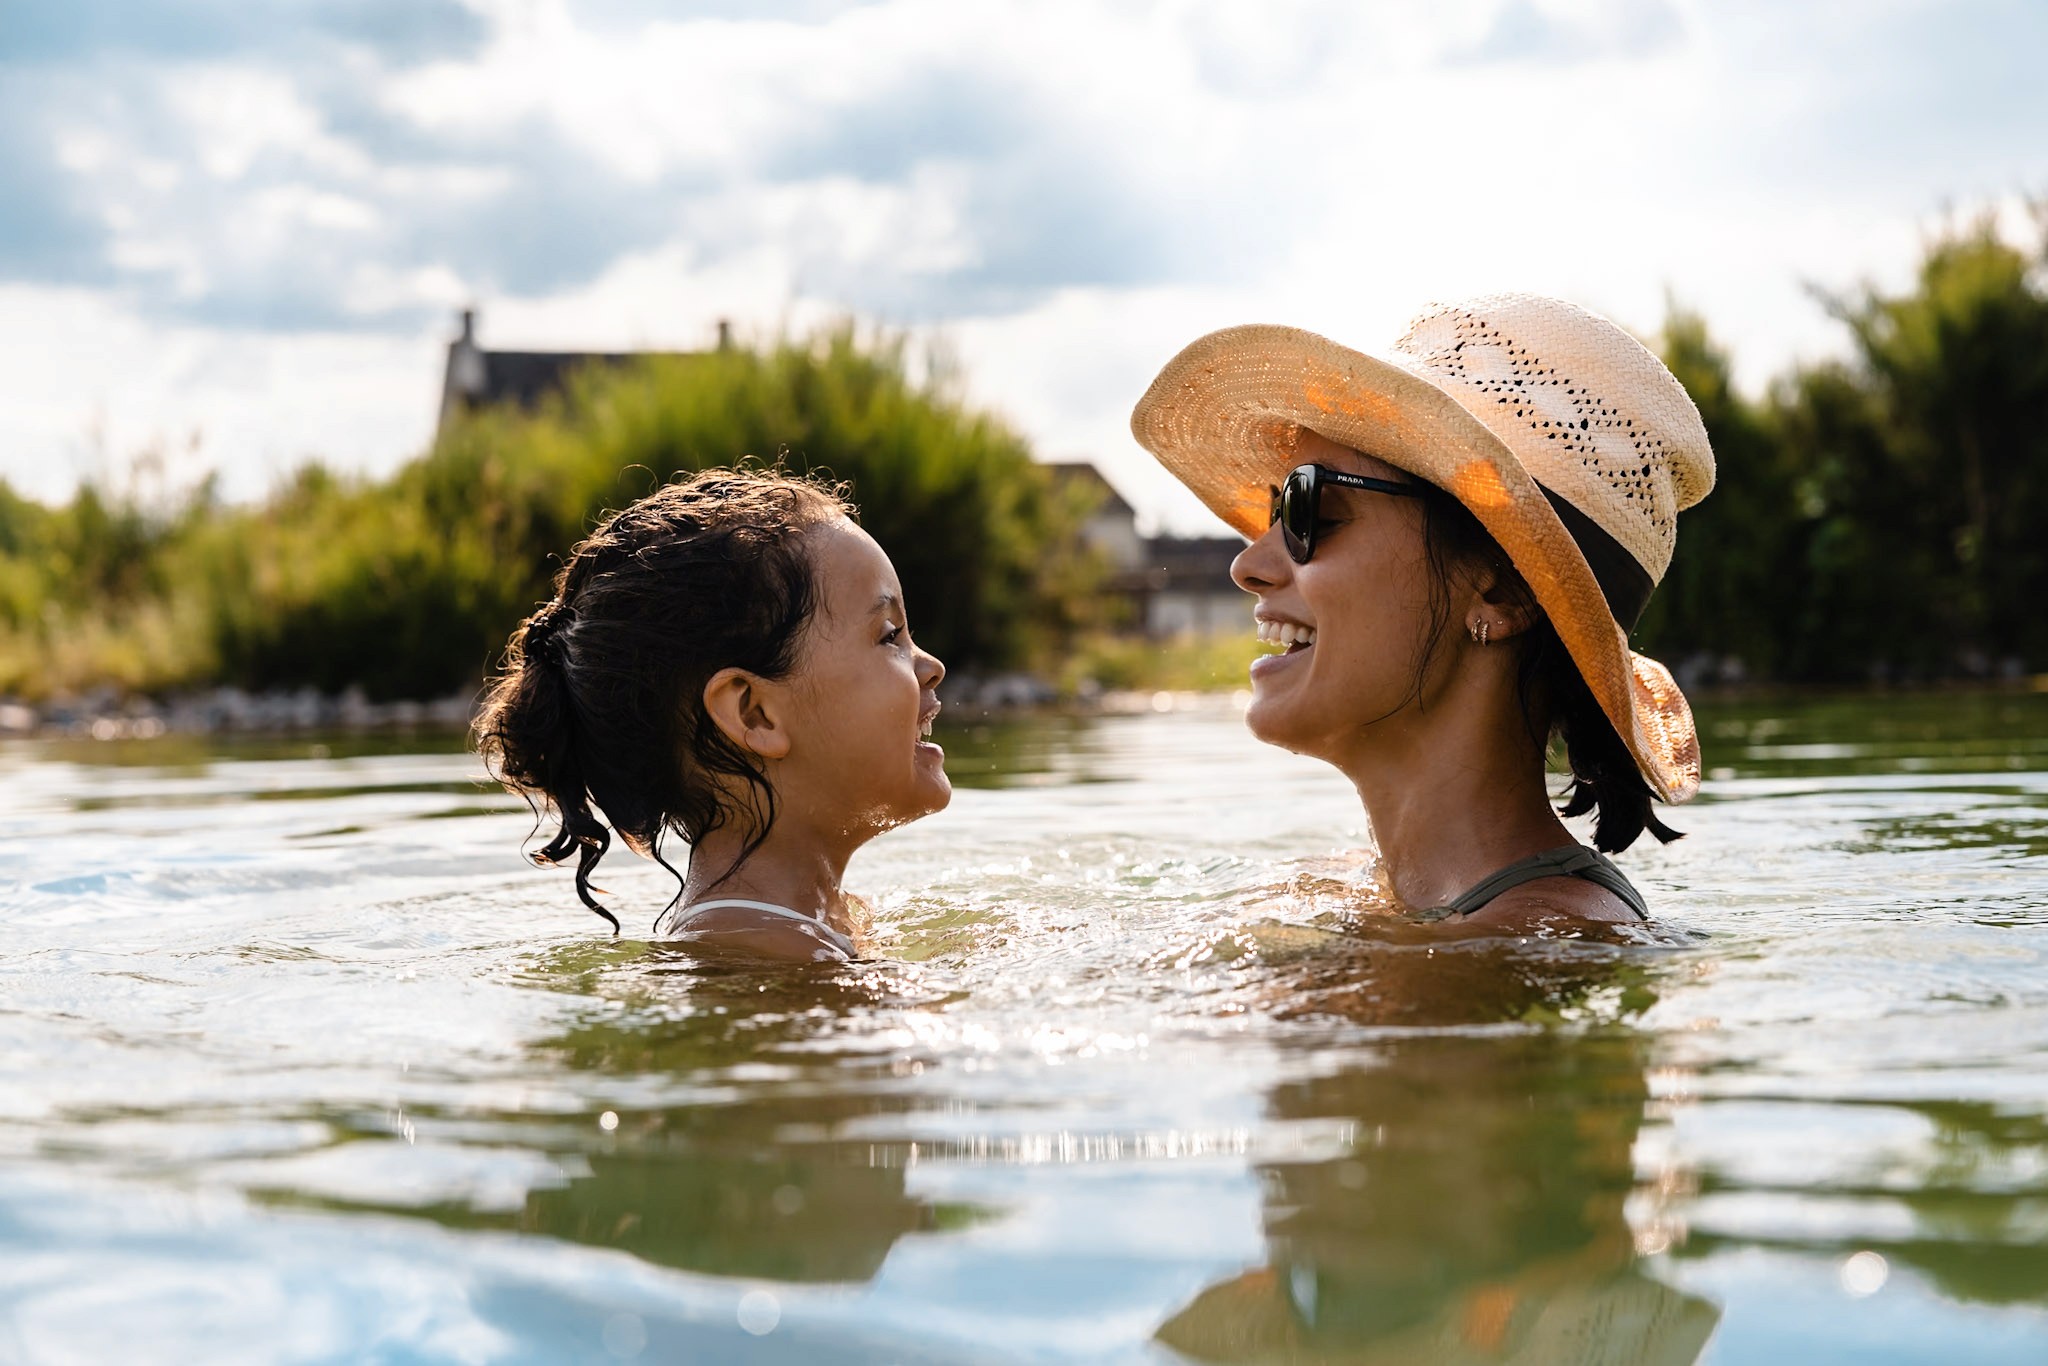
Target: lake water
{"points": [[300, 1062]]}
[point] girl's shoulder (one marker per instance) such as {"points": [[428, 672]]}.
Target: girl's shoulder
{"points": [[761, 931]]}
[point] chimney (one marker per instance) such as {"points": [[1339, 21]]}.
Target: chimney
{"points": [[467, 375]]}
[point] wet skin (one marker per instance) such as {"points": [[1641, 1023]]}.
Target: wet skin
{"points": [[841, 741], [1434, 739]]}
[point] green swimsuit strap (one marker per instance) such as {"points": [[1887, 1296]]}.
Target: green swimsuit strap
{"points": [[1570, 860]]}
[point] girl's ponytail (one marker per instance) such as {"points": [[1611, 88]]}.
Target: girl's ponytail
{"points": [[527, 734]]}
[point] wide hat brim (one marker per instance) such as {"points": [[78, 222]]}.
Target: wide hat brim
{"points": [[1221, 418]]}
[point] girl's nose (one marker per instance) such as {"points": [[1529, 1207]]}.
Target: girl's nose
{"points": [[931, 670], [1263, 565]]}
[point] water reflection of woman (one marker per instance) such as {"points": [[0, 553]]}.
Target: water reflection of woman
{"points": [[1477, 1216], [1451, 546]]}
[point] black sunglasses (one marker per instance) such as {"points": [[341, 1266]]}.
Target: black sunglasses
{"points": [[1297, 501]]}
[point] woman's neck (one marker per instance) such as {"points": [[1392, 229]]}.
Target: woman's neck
{"points": [[1453, 792]]}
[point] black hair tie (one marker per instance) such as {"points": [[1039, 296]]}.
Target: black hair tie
{"points": [[544, 627]]}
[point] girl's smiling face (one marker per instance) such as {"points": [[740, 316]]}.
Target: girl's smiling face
{"points": [[862, 698], [1353, 622]]}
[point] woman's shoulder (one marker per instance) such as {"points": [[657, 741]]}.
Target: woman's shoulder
{"points": [[1553, 898]]}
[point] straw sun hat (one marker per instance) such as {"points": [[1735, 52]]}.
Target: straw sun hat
{"points": [[1570, 442]]}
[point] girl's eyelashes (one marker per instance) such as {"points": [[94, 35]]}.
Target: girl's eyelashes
{"points": [[892, 635]]}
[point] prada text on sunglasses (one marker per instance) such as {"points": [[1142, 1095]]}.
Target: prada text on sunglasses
{"points": [[1297, 501]]}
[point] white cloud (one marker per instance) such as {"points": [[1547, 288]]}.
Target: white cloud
{"points": [[232, 116], [1069, 191], [91, 384]]}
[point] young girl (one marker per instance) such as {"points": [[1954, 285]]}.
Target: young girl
{"points": [[728, 658]]}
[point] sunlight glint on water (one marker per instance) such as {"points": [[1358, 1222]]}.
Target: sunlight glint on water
{"points": [[299, 1062]]}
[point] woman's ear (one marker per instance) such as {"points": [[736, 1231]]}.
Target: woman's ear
{"points": [[1502, 602], [748, 710]]}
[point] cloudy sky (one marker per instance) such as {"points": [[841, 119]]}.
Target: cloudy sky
{"points": [[240, 231]]}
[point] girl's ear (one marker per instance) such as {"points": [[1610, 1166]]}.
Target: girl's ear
{"points": [[748, 710]]}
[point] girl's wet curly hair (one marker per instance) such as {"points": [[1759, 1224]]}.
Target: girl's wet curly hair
{"points": [[597, 713]]}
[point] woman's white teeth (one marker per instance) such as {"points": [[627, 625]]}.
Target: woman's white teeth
{"points": [[1285, 633]]}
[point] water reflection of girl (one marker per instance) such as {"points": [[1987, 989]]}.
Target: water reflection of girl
{"points": [[1451, 547], [1476, 1218], [758, 1184]]}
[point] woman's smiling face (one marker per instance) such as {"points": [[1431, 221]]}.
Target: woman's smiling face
{"points": [[1354, 621]]}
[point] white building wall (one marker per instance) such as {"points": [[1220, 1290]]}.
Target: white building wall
{"points": [[1115, 534], [1182, 612]]}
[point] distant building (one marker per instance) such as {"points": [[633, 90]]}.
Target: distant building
{"points": [[1176, 585], [1187, 588], [477, 378], [1112, 529]]}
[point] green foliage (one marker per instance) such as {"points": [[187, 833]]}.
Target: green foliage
{"points": [[1876, 516], [1739, 546], [1930, 460], [87, 597], [410, 586], [1879, 517], [1185, 663]]}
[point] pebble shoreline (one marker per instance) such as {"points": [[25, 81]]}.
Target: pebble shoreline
{"points": [[234, 711], [218, 711]]}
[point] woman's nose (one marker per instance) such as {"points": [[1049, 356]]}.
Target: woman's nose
{"points": [[931, 670], [1263, 565]]}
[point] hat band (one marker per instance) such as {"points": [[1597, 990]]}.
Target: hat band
{"points": [[1623, 581]]}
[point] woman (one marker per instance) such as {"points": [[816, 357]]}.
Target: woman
{"points": [[1450, 546]]}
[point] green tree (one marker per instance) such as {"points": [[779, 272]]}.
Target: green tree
{"points": [[1961, 365], [411, 587], [1878, 516], [1724, 591]]}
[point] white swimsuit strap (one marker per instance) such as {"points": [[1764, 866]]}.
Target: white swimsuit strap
{"points": [[689, 913], [767, 906]]}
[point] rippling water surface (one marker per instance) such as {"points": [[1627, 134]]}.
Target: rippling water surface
{"points": [[299, 1062]]}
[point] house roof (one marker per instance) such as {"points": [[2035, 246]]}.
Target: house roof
{"points": [[1066, 472], [1192, 561], [526, 377], [476, 378]]}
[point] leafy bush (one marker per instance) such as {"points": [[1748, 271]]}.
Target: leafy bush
{"points": [[410, 586]]}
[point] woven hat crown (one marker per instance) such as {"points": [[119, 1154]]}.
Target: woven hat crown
{"points": [[1588, 410]]}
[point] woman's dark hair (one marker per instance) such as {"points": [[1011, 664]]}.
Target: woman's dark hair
{"points": [[1555, 701], [597, 712]]}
